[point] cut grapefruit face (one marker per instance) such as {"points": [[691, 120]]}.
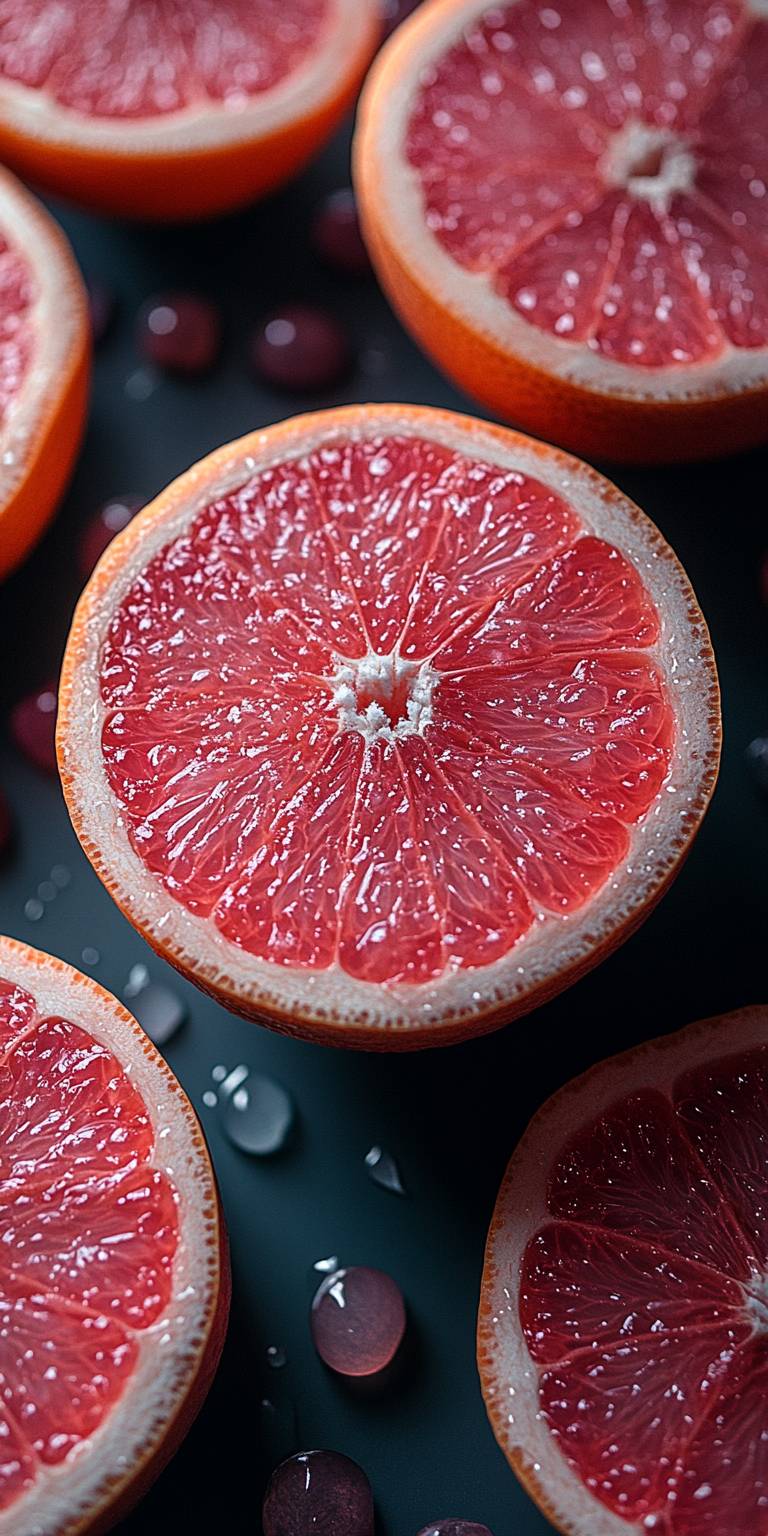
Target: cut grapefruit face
{"points": [[384, 724], [623, 1337], [114, 1278], [44, 360], [180, 109], [568, 204]]}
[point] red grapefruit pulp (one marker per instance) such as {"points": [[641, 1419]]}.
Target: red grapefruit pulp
{"points": [[175, 109], [113, 1280], [568, 203], [384, 723], [623, 1339]]}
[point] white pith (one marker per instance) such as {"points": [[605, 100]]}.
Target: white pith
{"points": [[55, 316], [631, 146], [424, 38], [379, 675], [206, 124], [555, 945], [509, 1377], [170, 1350]]}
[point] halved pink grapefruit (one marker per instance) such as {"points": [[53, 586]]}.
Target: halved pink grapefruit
{"points": [[568, 205], [384, 724], [623, 1335], [114, 1280], [176, 110], [44, 368]]}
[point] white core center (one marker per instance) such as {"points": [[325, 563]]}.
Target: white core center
{"points": [[653, 164], [385, 698]]}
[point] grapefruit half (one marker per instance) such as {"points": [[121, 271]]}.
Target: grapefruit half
{"points": [[384, 724], [623, 1335], [567, 204], [114, 1281], [176, 110], [44, 368]]}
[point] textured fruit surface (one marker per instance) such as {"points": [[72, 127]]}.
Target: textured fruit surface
{"points": [[146, 60], [89, 1229], [381, 705], [17, 295], [603, 164], [643, 1293]]}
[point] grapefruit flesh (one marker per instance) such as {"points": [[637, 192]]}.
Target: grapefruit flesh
{"points": [[587, 185], [383, 706], [112, 1293], [44, 356], [623, 1340], [222, 98]]}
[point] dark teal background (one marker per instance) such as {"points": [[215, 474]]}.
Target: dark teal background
{"points": [[450, 1117]]}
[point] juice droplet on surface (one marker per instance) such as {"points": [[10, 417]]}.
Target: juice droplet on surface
{"points": [[138, 979], [258, 1114], [33, 727], [90, 956], [357, 1321], [33, 909], [180, 332], [319, 1491], [110, 519], [327, 1266], [159, 1012], [455, 1528], [276, 1356], [757, 757], [300, 348], [384, 1171]]}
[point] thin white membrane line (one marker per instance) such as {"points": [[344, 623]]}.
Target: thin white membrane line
{"points": [[426, 565], [19, 1287], [346, 877], [424, 861], [348, 584], [746, 25], [633, 1240], [25, 1034], [615, 1342], [621, 217]]}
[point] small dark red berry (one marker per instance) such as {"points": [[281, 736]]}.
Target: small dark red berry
{"points": [[337, 237], [318, 1491], [301, 349], [180, 332], [98, 534], [33, 727]]}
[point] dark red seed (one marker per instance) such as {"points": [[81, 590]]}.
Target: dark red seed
{"points": [[180, 332], [336, 234], [6, 825], [358, 1321], [33, 727], [318, 1491], [300, 348], [455, 1528], [101, 307], [100, 531]]}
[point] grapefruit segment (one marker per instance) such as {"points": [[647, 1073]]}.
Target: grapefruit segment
{"points": [[380, 698], [113, 1296], [180, 109], [568, 206], [44, 361], [624, 1317]]}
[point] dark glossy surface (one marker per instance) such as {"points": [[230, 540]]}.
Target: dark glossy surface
{"points": [[318, 1491], [450, 1118]]}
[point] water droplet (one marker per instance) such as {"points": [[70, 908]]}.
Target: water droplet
{"points": [[218, 1074], [90, 956], [276, 1356], [159, 1011], [33, 909], [357, 1321], [257, 1114], [318, 1490], [757, 757], [180, 332], [61, 876], [210, 1099], [301, 349], [140, 384], [455, 1528], [138, 979], [327, 1266], [33, 727], [384, 1171], [47, 891]]}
